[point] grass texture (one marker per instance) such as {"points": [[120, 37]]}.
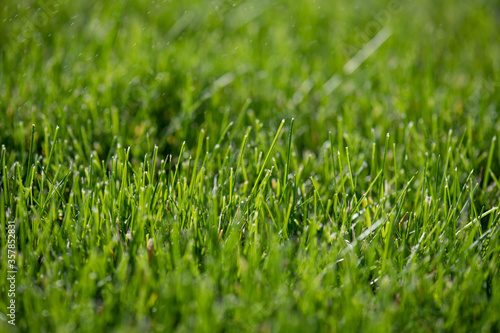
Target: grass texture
{"points": [[258, 166]]}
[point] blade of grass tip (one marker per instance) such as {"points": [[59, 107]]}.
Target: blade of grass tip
{"points": [[123, 184], [240, 158], [341, 170], [231, 187], [207, 153], [488, 164], [207, 145], [421, 190], [267, 157], [350, 170], [383, 166], [31, 179], [155, 156], [146, 170], [30, 156], [333, 160], [287, 165], [445, 169], [372, 168], [472, 192], [177, 166], [217, 145], [4, 176], [47, 162], [197, 158], [224, 132], [91, 170]]}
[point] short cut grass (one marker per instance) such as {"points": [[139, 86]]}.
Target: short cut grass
{"points": [[208, 166]]}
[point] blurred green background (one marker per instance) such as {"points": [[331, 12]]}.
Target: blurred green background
{"points": [[167, 68]]}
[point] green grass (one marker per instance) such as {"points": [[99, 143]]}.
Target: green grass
{"points": [[251, 166]]}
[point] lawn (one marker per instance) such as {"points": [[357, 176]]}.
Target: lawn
{"points": [[258, 166]]}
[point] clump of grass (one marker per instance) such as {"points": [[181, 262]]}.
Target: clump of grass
{"points": [[158, 188]]}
